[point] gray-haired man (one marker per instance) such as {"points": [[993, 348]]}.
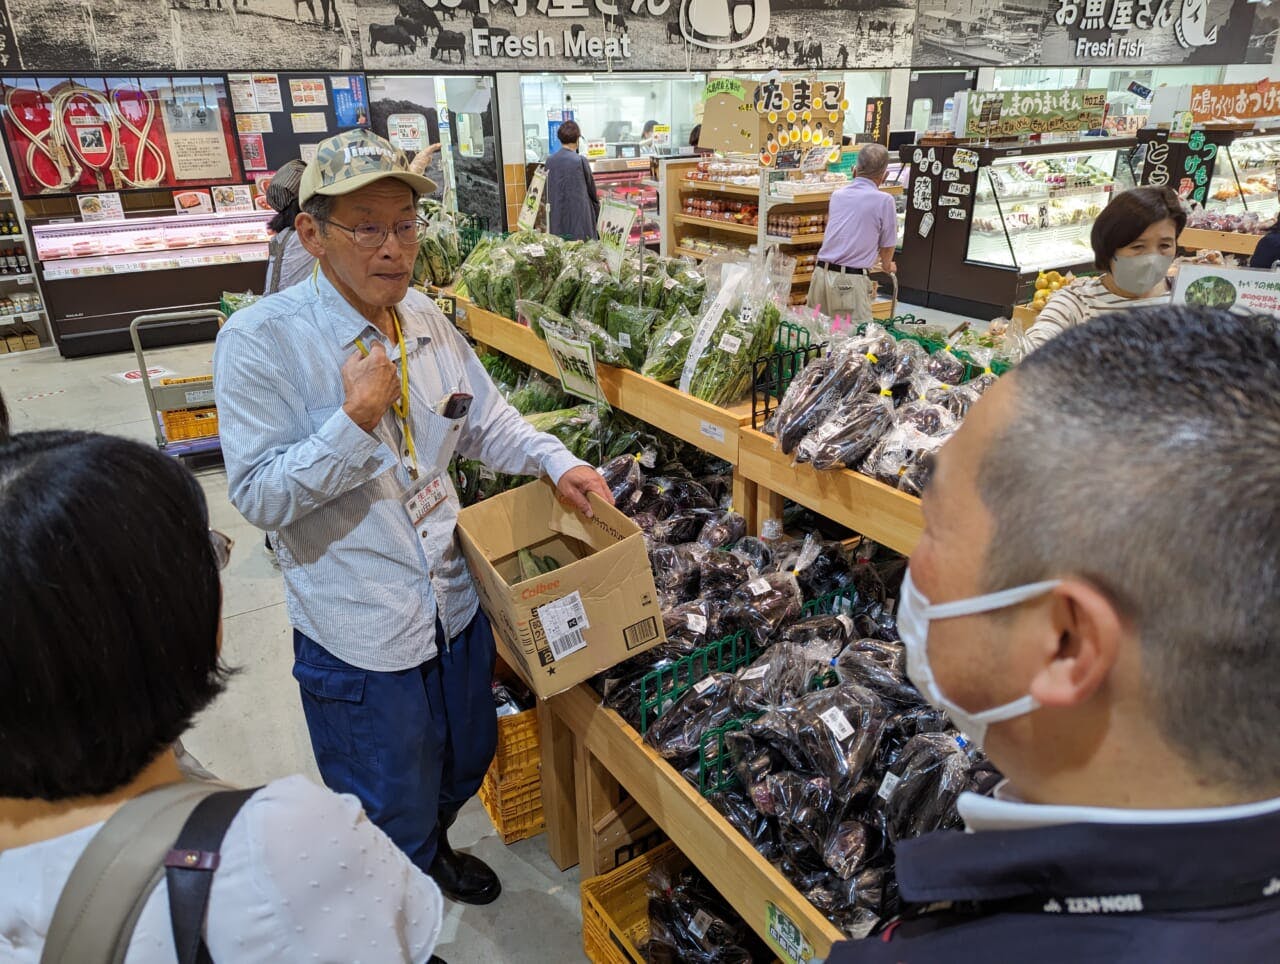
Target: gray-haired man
{"points": [[862, 234]]}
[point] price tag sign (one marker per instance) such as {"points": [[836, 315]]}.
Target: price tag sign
{"points": [[576, 362], [532, 200], [596, 149], [786, 939]]}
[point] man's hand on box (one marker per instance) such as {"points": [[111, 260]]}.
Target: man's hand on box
{"points": [[576, 483]]}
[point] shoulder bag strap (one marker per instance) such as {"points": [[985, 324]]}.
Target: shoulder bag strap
{"points": [[189, 869], [110, 883]]}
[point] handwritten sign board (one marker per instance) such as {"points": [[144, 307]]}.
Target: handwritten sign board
{"points": [[1012, 113], [1234, 102], [876, 124]]}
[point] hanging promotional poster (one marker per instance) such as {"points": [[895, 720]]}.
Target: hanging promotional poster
{"points": [[1092, 32]]}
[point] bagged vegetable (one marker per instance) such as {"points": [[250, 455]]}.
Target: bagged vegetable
{"points": [[721, 573], [536, 258], [539, 317], [475, 272], [723, 531], [677, 734], [669, 347], [537, 393], [837, 731], [630, 326], [689, 923], [920, 791], [501, 285], [677, 569], [764, 604], [849, 432], [623, 477], [738, 327]]}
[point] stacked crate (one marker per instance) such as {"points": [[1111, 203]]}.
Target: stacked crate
{"points": [[512, 789]]}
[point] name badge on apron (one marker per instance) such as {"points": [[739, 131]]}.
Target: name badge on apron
{"points": [[423, 496]]}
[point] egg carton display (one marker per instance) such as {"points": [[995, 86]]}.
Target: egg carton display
{"points": [[728, 172], [790, 224], [808, 183], [722, 209]]}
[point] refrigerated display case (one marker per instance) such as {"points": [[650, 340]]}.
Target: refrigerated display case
{"points": [[98, 276], [988, 221], [630, 180]]}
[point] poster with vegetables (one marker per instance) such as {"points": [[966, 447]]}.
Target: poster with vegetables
{"points": [[1242, 290], [796, 115]]}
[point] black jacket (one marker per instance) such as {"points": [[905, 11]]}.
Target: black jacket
{"points": [[1267, 252], [1171, 864]]}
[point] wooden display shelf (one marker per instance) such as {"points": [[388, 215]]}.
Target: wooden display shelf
{"points": [[736, 228], [614, 752], [868, 507], [802, 277], [1232, 242], [708, 427]]}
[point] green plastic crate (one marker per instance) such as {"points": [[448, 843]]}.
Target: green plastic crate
{"points": [[661, 688]]}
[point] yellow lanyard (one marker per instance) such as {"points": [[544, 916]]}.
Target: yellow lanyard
{"points": [[401, 408]]}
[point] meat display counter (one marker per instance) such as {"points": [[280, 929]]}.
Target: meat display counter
{"points": [[97, 277]]}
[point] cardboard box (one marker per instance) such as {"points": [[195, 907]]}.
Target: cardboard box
{"points": [[562, 628], [30, 340], [14, 340]]}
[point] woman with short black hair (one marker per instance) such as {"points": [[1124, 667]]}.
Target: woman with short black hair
{"points": [[1135, 240], [573, 206], [109, 646]]}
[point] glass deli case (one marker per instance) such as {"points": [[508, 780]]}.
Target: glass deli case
{"points": [[630, 180], [87, 271], [982, 222]]}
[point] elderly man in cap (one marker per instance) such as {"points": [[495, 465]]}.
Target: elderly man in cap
{"points": [[341, 401]]}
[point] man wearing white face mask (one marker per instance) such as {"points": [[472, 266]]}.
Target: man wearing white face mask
{"points": [[1135, 240], [1094, 598]]}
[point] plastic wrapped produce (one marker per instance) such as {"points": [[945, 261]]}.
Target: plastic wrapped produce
{"points": [[681, 526], [778, 676], [945, 367], [690, 494], [764, 604], [919, 792], [537, 393], [537, 261], [623, 477], [724, 531], [827, 629], [677, 569], [892, 656], [805, 807], [810, 400], [862, 668], [689, 923], [677, 734], [850, 431], [837, 730], [539, 317], [722, 573], [738, 809], [630, 327], [755, 552], [688, 624], [669, 347], [475, 272], [501, 284], [902, 457], [848, 848]]}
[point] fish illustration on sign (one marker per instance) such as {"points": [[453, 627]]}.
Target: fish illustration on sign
{"points": [[1191, 23]]}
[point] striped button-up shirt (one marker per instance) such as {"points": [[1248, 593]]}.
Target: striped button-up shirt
{"points": [[359, 578]]}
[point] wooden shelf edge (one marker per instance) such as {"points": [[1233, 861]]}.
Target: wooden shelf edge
{"points": [[1233, 242], [693, 219], [868, 507], [715, 846]]}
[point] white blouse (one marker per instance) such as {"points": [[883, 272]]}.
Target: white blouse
{"points": [[304, 876]]}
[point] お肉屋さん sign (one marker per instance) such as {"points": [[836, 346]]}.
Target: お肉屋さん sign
{"points": [[1013, 112], [1240, 290]]}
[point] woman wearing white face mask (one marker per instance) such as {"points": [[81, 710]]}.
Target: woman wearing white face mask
{"points": [[1135, 240]]}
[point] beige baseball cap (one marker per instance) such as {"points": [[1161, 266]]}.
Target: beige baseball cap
{"points": [[354, 159]]}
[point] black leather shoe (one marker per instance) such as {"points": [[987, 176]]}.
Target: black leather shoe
{"points": [[462, 877], [436, 960]]}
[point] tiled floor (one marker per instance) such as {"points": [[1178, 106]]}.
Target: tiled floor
{"points": [[255, 731]]}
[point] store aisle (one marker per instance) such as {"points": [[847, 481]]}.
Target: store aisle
{"points": [[255, 732]]}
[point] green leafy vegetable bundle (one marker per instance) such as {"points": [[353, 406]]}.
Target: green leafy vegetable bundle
{"points": [[669, 347], [630, 326]]}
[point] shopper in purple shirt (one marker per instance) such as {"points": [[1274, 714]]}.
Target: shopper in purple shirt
{"points": [[862, 232]]}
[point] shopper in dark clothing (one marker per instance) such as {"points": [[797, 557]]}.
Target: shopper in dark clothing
{"points": [[1126, 692], [1267, 253], [572, 202]]}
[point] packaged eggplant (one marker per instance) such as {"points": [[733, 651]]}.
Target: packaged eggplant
{"points": [[901, 727], [623, 477], [764, 604], [720, 487], [919, 793], [677, 569], [827, 570], [809, 400], [677, 733], [804, 806], [654, 489], [850, 431], [850, 846], [755, 552], [892, 656], [778, 676], [945, 367], [722, 573], [679, 527], [837, 730], [690, 494], [736, 807], [688, 623], [828, 629], [774, 728], [862, 669], [689, 923], [904, 448], [724, 531]]}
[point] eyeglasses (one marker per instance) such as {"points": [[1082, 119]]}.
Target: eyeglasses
{"points": [[222, 545], [407, 232]]}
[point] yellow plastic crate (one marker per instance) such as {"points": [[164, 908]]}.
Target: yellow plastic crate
{"points": [[518, 747], [190, 423], [615, 907], [514, 804]]}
